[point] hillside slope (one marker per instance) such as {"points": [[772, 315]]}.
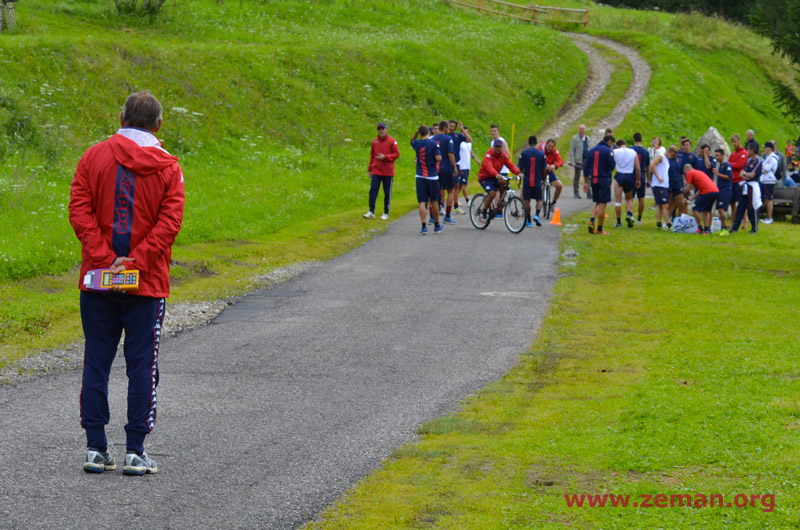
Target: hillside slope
{"points": [[270, 106]]}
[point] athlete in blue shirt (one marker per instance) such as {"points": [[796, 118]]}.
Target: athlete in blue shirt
{"points": [[644, 163], [533, 163], [447, 169], [724, 174], [458, 139], [599, 165], [677, 203], [428, 157]]}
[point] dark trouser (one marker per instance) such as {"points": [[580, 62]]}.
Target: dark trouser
{"points": [[375, 187], [745, 203], [576, 180], [104, 316]]}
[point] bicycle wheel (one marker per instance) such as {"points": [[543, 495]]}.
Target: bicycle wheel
{"points": [[546, 199], [475, 205], [514, 214]]}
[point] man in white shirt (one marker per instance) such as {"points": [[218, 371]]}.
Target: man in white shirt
{"points": [[768, 178], [466, 156], [626, 180]]}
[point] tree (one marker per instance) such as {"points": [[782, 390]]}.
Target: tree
{"points": [[777, 20]]}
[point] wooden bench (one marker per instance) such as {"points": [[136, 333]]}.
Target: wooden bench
{"points": [[786, 201]]}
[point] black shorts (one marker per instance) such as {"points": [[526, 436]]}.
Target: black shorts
{"points": [[532, 192], [446, 180], [641, 191], [427, 190], [767, 191], [704, 202], [601, 191]]}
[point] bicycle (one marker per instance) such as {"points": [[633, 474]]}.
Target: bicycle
{"points": [[513, 209], [546, 197]]}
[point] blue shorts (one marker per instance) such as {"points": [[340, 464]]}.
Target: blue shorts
{"points": [[661, 194], [446, 180], [704, 202], [767, 191], [601, 191], [627, 181], [552, 176], [724, 199], [641, 191], [463, 177], [427, 190], [489, 184], [532, 192]]}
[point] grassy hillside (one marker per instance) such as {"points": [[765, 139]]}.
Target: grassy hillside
{"points": [[271, 107], [706, 72]]}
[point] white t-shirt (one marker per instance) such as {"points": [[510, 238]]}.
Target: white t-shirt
{"points": [[663, 171], [626, 160], [504, 170], [465, 154]]}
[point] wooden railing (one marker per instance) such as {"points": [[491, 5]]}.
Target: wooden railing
{"points": [[531, 13]]}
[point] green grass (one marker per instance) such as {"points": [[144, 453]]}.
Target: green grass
{"points": [[681, 377], [271, 107]]}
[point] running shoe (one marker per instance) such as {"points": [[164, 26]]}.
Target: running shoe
{"points": [[601, 232], [459, 211], [499, 216], [369, 215], [537, 220], [618, 225], [138, 465], [591, 227], [768, 221], [629, 220], [576, 195], [529, 224], [723, 233], [98, 461], [449, 220], [638, 222], [438, 228], [424, 231], [384, 217], [432, 221]]}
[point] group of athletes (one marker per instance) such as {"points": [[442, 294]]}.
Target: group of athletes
{"points": [[676, 175]]}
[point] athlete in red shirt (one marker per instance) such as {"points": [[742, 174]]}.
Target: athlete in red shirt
{"points": [[737, 160], [707, 194], [554, 161]]}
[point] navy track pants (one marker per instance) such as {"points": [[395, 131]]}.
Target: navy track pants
{"points": [[104, 316]]}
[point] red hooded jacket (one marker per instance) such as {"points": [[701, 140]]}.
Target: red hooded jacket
{"points": [[386, 146], [738, 160], [127, 199], [493, 163]]}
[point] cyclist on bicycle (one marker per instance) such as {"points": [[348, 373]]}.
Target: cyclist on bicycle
{"points": [[534, 163], [493, 162], [554, 161]]}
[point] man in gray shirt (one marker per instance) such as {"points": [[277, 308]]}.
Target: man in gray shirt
{"points": [[578, 150]]}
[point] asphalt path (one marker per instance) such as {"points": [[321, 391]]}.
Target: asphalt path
{"points": [[296, 392]]}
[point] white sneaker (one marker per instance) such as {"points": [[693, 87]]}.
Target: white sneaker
{"points": [[384, 216], [369, 215], [767, 221]]}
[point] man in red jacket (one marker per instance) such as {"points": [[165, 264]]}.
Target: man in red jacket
{"points": [[737, 160], [554, 161], [126, 207], [382, 154], [489, 174]]}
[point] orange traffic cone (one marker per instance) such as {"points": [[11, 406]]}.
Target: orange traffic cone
{"points": [[556, 218]]}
